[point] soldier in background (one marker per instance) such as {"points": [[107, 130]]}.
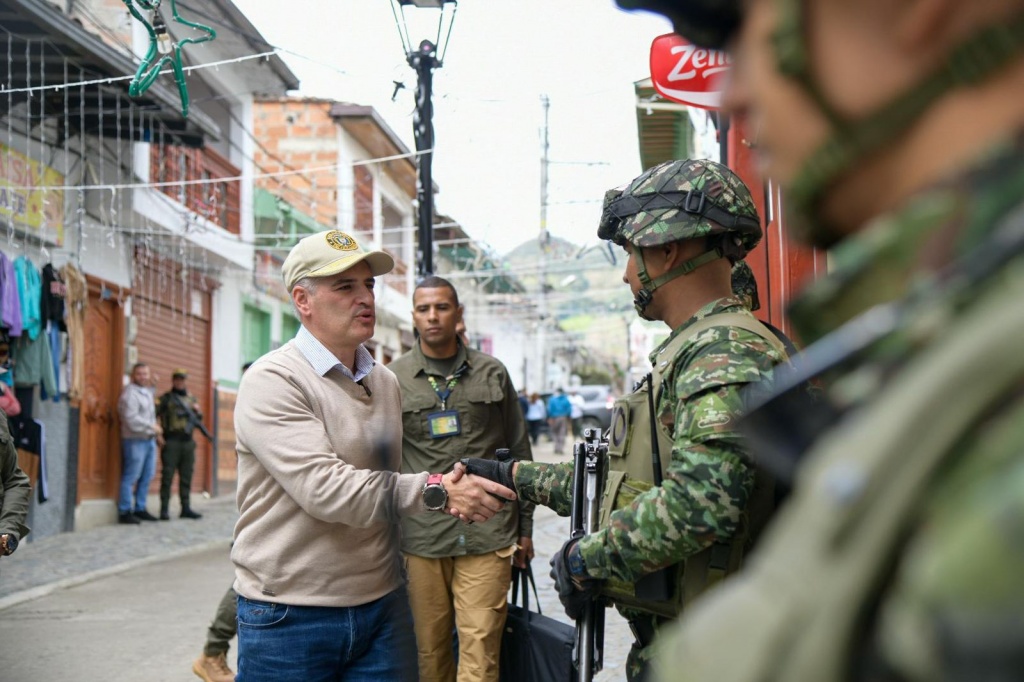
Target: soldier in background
{"points": [[683, 224], [15, 492], [179, 415], [897, 133]]}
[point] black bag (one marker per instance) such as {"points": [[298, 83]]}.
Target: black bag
{"points": [[534, 647]]}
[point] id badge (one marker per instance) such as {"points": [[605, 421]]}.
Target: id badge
{"points": [[444, 424]]}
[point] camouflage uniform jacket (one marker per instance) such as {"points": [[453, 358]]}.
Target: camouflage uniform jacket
{"points": [[947, 599], [707, 483], [172, 418], [15, 489]]}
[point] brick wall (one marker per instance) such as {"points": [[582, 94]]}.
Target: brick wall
{"points": [[299, 134]]}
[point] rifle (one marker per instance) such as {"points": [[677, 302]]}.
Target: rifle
{"points": [[194, 422], [590, 462]]}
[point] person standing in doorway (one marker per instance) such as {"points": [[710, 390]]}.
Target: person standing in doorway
{"points": [[178, 411], [140, 432]]}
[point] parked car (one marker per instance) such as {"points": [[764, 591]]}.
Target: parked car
{"points": [[597, 406]]}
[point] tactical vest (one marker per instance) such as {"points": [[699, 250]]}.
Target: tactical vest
{"points": [[796, 614], [174, 418], [631, 473]]}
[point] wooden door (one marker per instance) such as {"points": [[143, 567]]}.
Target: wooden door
{"points": [[99, 459]]}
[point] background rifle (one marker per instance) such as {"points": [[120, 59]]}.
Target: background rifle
{"points": [[194, 422], [590, 461]]}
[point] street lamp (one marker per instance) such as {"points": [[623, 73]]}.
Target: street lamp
{"points": [[424, 60]]}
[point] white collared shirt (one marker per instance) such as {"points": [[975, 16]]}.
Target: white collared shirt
{"points": [[323, 360]]}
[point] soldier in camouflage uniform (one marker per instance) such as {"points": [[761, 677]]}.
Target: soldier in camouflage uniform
{"points": [[178, 412], [899, 555], [682, 223]]}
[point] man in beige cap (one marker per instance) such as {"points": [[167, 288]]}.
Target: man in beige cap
{"points": [[320, 588]]}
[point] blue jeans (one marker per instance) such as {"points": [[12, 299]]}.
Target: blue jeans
{"points": [[138, 457], [369, 643]]}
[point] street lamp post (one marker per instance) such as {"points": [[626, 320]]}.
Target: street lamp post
{"points": [[424, 60]]}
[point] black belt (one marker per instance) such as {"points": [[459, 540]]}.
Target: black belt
{"points": [[178, 435]]}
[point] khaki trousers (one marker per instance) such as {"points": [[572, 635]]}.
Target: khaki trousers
{"points": [[468, 593]]}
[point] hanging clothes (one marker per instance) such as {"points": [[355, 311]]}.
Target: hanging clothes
{"points": [[33, 364], [53, 296], [30, 438], [10, 304], [52, 307], [30, 291], [77, 300]]}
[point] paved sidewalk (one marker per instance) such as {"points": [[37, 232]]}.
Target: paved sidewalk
{"points": [[54, 563], [42, 566]]}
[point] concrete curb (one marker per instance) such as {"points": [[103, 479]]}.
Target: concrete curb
{"points": [[63, 584]]}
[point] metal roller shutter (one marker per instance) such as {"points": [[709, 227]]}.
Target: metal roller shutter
{"points": [[173, 317]]}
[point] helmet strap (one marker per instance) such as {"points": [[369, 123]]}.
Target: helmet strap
{"points": [[648, 286], [969, 64]]}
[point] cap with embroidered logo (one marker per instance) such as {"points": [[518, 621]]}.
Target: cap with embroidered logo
{"points": [[327, 253]]}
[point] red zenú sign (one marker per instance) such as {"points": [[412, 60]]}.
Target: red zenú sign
{"points": [[686, 73]]}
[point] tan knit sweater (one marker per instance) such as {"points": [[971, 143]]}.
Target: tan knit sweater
{"points": [[319, 501]]}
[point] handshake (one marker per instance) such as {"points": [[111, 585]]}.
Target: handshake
{"points": [[471, 499]]}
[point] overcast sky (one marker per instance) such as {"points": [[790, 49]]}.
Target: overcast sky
{"points": [[584, 54]]}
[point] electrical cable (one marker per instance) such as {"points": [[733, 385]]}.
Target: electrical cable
{"points": [[117, 79]]}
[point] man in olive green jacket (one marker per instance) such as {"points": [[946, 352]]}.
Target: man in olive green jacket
{"points": [[458, 402]]}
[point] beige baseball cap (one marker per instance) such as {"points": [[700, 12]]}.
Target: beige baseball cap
{"points": [[327, 253]]}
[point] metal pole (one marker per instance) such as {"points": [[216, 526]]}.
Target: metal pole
{"points": [[424, 61], [542, 242]]}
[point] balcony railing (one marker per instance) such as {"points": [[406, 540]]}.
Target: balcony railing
{"points": [[217, 201]]}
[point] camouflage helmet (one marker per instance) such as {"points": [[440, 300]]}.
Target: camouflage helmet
{"points": [[678, 200]]}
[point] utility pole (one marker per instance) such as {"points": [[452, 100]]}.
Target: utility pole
{"points": [[424, 61], [542, 241]]}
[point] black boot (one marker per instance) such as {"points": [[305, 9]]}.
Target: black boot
{"points": [[187, 513], [165, 514]]}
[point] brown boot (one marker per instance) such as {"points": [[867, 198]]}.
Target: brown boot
{"points": [[213, 668]]}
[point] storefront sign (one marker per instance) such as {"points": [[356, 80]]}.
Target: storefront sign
{"points": [[39, 212], [688, 74]]}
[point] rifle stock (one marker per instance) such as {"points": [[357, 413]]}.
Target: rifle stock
{"points": [[590, 461]]}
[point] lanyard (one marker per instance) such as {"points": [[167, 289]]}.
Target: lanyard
{"points": [[443, 395]]}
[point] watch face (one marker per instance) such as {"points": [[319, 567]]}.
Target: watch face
{"points": [[435, 497], [12, 543]]}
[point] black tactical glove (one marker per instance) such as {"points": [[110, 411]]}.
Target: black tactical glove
{"points": [[499, 472], [575, 589]]}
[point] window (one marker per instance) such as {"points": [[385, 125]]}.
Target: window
{"points": [[255, 333]]}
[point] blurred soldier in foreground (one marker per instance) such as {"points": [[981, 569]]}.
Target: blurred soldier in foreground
{"points": [[896, 129], [675, 523]]}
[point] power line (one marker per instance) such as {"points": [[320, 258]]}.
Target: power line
{"points": [[117, 79]]}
